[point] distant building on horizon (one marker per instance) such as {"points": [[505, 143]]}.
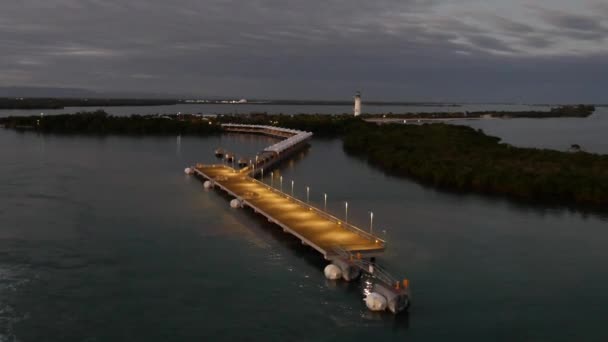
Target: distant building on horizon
{"points": [[357, 109]]}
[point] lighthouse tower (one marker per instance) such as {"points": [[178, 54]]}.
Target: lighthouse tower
{"points": [[357, 110]]}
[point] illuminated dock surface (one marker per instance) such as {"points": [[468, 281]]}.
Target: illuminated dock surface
{"points": [[312, 226]]}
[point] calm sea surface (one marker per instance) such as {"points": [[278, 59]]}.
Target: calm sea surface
{"points": [[105, 239]]}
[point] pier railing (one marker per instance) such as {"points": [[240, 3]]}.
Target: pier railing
{"points": [[325, 214], [367, 266], [346, 225]]}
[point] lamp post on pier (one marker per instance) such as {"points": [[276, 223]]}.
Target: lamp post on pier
{"points": [[371, 222], [292, 182], [346, 212], [272, 179], [325, 202], [307, 195], [281, 180]]}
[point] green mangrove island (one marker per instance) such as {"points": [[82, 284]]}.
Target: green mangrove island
{"points": [[444, 156], [61, 103], [578, 111], [100, 123], [463, 159]]}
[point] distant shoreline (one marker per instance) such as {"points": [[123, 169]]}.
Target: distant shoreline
{"points": [[581, 111], [14, 103], [62, 103]]}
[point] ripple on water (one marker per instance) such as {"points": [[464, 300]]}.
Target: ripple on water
{"points": [[12, 277]]}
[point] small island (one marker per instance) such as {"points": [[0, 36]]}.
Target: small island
{"points": [[577, 111], [447, 157], [100, 123], [460, 158]]}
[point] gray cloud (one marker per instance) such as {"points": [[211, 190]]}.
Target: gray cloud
{"points": [[489, 43], [574, 22], [393, 49], [537, 40], [512, 26], [586, 27]]}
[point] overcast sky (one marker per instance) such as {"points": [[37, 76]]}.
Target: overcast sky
{"points": [[410, 50]]}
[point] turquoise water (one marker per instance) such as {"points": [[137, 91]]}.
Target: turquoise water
{"points": [[105, 239]]}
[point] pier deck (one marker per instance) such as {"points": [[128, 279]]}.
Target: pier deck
{"points": [[312, 226]]}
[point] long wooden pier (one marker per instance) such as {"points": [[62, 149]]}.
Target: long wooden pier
{"points": [[351, 250], [312, 226]]}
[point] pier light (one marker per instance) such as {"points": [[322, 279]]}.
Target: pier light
{"points": [[371, 222], [345, 212], [262, 170], [325, 202], [307, 194], [292, 182], [281, 180], [272, 179]]}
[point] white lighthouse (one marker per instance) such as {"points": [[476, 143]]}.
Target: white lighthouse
{"points": [[357, 109]]}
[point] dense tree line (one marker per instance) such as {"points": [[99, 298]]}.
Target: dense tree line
{"points": [[461, 158], [320, 124], [60, 103], [556, 112], [101, 123]]}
